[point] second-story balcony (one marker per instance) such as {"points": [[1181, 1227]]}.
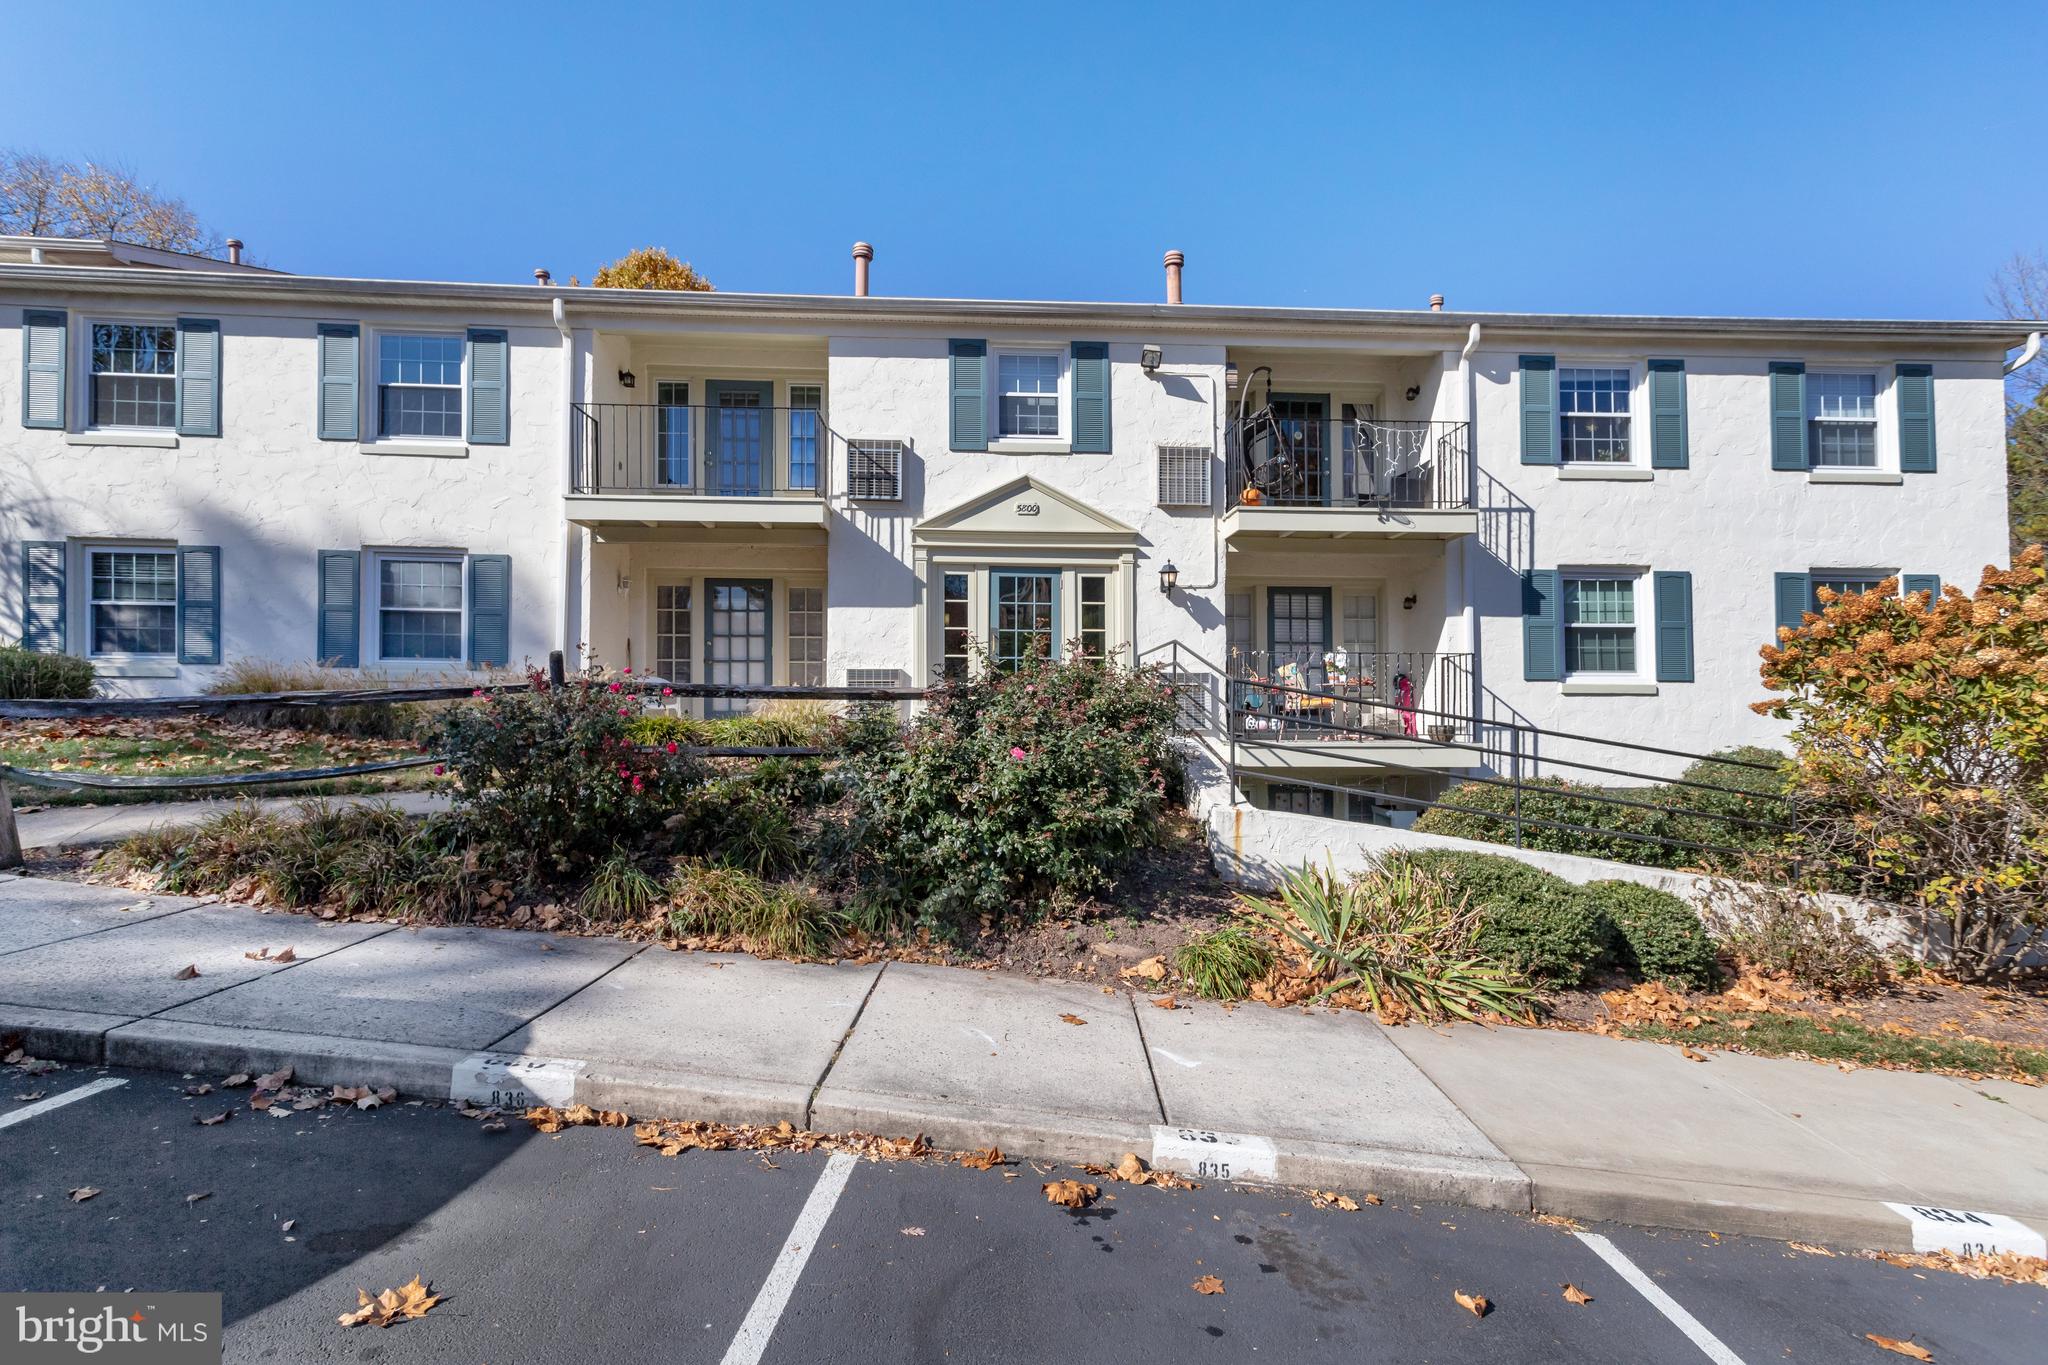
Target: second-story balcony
{"points": [[735, 463], [1301, 474]]}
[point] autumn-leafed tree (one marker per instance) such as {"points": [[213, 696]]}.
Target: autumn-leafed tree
{"points": [[2020, 291], [1920, 753], [43, 197], [651, 267]]}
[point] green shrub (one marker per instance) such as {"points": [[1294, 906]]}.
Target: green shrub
{"points": [[1011, 788], [779, 724], [1542, 925], [1662, 934], [1748, 793], [1401, 936], [550, 778], [735, 822], [1490, 808], [31, 675], [1223, 963]]}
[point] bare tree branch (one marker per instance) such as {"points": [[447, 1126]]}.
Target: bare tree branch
{"points": [[42, 197]]}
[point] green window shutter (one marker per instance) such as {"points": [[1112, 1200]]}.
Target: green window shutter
{"points": [[490, 611], [1916, 419], [1788, 414], [1672, 593], [198, 377], [969, 376], [490, 421], [43, 353], [1667, 415], [199, 604], [341, 606], [42, 595], [1539, 409], [1793, 596], [340, 345], [1091, 398], [1923, 582], [1542, 626]]}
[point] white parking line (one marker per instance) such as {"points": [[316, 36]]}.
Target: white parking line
{"points": [[751, 1340], [14, 1116], [1709, 1344]]}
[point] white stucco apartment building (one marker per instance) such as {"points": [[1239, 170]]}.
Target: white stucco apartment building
{"points": [[1416, 523]]}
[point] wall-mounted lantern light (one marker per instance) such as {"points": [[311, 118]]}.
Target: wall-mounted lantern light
{"points": [[1169, 578], [1408, 602], [625, 379], [1150, 357]]}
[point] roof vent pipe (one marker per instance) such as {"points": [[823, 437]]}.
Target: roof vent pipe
{"points": [[862, 254], [1436, 303], [234, 251], [1174, 261], [541, 276]]}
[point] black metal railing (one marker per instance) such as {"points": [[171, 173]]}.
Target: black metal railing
{"points": [[699, 451], [1349, 695], [1298, 462]]}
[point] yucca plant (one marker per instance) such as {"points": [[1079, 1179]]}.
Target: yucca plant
{"points": [[1399, 935]]}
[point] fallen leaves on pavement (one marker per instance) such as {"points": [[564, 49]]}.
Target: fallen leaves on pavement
{"points": [[1809, 1248], [1070, 1194], [2002, 1265], [1574, 1294], [1166, 1002], [1072, 1019], [1151, 969], [186, 973], [407, 1301], [673, 1137], [83, 1193], [263, 955], [195, 1198], [1208, 1284], [1476, 1304], [987, 1159], [547, 1119], [209, 1120], [1132, 1170], [1330, 1199], [911, 1232], [1897, 1347]]}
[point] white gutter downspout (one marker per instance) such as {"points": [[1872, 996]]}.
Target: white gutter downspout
{"points": [[573, 549], [2026, 356], [1465, 556]]}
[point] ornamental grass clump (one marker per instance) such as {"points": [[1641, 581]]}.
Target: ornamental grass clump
{"points": [[1223, 963], [1016, 786], [550, 779], [1397, 937], [1920, 754]]}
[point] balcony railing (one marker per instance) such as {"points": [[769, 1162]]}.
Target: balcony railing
{"points": [[1395, 695], [1300, 462], [699, 451]]}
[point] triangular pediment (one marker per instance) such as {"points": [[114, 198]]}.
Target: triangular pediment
{"points": [[1024, 509]]}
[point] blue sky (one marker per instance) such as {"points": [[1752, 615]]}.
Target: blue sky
{"points": [[1797, 159]]}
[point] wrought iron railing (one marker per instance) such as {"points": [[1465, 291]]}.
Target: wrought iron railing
{"points": [[1297, 462], [700, 451], [1349, 695]]}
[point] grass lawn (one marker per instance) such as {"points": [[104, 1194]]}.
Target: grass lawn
{"points": [[190, 747], [1845, 1040]]}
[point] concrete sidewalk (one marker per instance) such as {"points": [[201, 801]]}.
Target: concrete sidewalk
{"points": [[1509, 1118], [86, 826]]}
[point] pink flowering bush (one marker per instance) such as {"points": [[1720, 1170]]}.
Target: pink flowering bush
{"points": [[551, 776], [1011, 789]]}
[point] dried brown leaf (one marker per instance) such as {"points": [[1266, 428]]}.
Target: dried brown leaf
{"points": [[988, 1158], [186, 973], [1072, 1019], [1905, 1348], [1070, 1194], [1574, 1294], [1478, 1305], [83, 1193], [393, 1305], [1208, 1284]]}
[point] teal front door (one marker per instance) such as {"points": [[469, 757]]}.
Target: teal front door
{"points": [[739, 437]]}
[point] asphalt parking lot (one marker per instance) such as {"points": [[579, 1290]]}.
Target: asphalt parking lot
{"points": [[585, 1246]]}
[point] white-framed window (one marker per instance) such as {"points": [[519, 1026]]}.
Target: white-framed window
{"points": [[135, 375], [1601, 616], [1360, 626], [806, 425], [1841, 411], [1029, 395], [956, 628], [419, 603], [1593, 414], [1842, 582], [1093, 591], [807, 637], [672, 631], [132, 600], [419, 385]]}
